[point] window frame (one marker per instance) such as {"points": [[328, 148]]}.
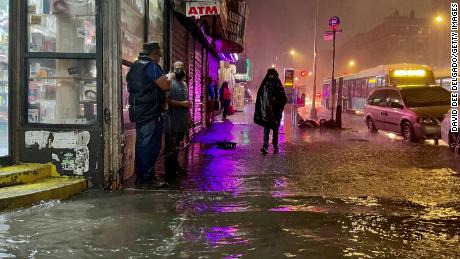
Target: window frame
{"points": [[26, 55], [389, 97], [384, 94]]}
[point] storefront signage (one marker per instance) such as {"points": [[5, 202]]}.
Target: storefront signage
{"points": [[236, 23], [200, 8]]}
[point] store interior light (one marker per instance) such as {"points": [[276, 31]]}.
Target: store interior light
{"points": [[409, 73]]}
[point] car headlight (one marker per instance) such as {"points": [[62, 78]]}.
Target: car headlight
{"points": [[427, 121]]}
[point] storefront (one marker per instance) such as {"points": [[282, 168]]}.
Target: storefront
{"points": [[72, 58], [190, 46], [61, 100], [64, 71]]}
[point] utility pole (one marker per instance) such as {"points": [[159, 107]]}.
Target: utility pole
{"points": [[314, 112]]}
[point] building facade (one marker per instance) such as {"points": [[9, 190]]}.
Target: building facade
{"points": [[398, 39], [63, 94]]}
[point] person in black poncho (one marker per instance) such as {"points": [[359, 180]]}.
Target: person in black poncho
{"points": [[270, 102]]}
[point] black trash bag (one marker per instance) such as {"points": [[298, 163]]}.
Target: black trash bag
{"points": [[225, 145], [327, 123], [309, 124]]}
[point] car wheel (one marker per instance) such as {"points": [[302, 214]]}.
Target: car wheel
{"points": [[371, 126], [454, 142], [407, 132]]}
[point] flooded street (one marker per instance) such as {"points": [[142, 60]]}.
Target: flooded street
{"points": [[327, 194]]}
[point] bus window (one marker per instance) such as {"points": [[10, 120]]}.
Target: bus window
{"points": [[345, 89], [358, 88]]}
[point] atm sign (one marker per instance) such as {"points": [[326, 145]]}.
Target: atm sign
{"points": [[197, 9]]}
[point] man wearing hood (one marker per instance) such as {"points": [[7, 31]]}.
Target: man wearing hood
{"points": [[270, 102]]}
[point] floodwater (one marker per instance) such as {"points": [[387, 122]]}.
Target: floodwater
{"points": [[327, 194]]}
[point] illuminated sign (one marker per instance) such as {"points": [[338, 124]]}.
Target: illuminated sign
{"points": [[288, 77], [334, 22], [409, 73], [197, 9], [373, 80]]}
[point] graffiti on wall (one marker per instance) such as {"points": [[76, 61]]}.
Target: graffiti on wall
{"points": [[69, 150]]}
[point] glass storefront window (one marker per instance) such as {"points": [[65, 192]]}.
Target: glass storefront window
{"points": [[66, 26], [132, 28], [62, 91], [156, 21], [4, 124]]}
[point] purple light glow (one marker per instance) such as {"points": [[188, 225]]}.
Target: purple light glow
{"points": [[213, 66], [229, 235]]}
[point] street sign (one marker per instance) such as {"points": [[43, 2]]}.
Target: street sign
{"points": [[334, 22], [329, 35]]}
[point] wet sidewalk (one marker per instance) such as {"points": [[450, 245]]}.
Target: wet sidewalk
{"points": [[327, 194]]}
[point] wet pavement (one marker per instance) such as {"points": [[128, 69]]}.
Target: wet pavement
{"points": [[327, 194]]}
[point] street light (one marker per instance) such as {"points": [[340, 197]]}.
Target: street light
{"points": [[292, 52], [351, 63], [439, 19]]}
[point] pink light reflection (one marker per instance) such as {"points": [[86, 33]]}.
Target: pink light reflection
{"points": [[228, 235]]}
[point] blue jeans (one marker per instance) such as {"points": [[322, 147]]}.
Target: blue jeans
{"points": [[267, 135], [148, 145]]}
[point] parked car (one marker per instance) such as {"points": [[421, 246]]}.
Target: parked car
{"points": [[415, 112], [451, 138]]}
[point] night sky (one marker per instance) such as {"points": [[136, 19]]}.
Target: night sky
{"points": [[276, 26]]}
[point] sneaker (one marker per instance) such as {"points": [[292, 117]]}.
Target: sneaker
{"points": [[276, 150], [264, 150]]}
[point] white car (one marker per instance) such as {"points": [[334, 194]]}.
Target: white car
{"points": [[452, 139]]}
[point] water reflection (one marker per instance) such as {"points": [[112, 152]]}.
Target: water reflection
{"points": [[223, 236]]}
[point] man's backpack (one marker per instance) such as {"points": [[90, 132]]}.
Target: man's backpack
{"points": [[145, 100]]}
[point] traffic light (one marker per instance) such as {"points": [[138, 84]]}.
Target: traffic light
{"points": [[303, 73]]}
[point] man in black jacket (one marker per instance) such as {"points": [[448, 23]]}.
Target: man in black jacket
{"points": [[147, 86]]}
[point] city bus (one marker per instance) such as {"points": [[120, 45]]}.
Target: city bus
{"points": [[358, 86]]}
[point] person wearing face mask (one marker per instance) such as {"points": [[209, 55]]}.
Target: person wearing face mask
{"points": [[270, 102], [176, 123]]}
